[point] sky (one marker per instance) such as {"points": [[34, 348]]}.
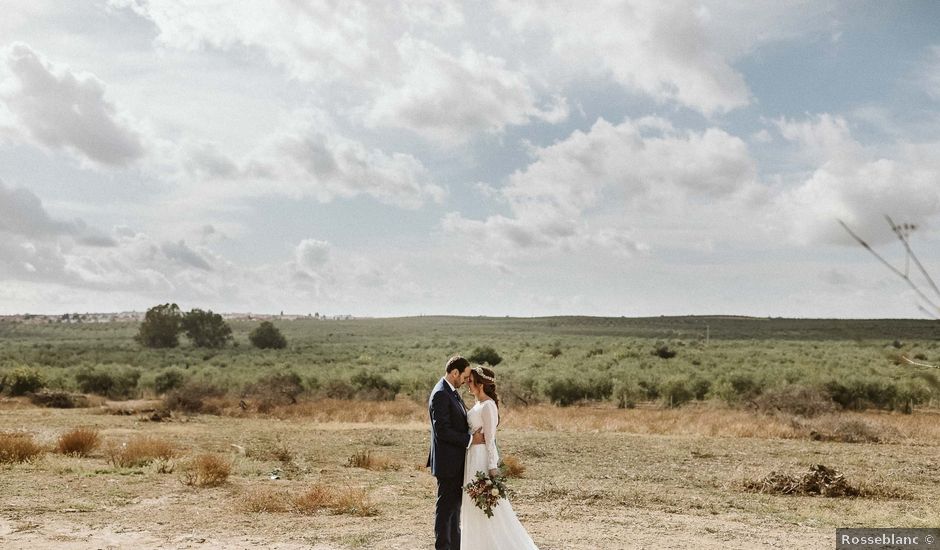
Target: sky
{"points": [[484, 157]]}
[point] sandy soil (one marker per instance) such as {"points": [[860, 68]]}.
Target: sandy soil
{"points": [[580, 490]]}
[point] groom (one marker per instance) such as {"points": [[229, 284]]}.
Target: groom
{"points": [[450, 439]]}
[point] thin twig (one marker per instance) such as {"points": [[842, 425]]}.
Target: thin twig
{"points": [[895, 270], [910, 252], [911, 362], [927, 311]]}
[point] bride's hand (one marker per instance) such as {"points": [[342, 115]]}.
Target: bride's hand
{"points": [[494, 472]]}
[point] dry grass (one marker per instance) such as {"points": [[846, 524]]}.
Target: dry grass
{"points": [[264, 499], [697, 419], [574, 479], [713, 420], [140, 451], [18, 447], [340, 410], [355, 502], [371, 461], [350, 501], [265, 449], [512, 466], [207, 470], [78, 441], [318, 497], [853, 430]]}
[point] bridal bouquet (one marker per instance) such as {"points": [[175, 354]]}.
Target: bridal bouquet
{"points": [[485, 491]]}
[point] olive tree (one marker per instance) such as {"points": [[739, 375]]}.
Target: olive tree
{"points": [[160, 327]]}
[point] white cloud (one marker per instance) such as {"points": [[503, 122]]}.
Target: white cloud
{"points": [[311, 158], [822, 137], [321, 273], [453, 98], [311, 255], [849, 182], [662, 49], [930, 75], [182, 253], [61, 109], [22, 214], [35, 246], [625, 169], [382, 64], [325, 164]]}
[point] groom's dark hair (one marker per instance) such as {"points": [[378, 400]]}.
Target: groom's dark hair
{"points": [[456, 363]]}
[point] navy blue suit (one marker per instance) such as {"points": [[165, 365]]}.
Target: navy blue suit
{"points": [[450, 437]]}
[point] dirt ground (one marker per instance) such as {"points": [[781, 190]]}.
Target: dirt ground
{"points": [[580, 490]]}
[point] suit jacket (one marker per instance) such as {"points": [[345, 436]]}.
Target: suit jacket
{"points": [[450, 433]]}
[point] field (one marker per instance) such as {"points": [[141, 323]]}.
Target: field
{"points": [[635, 469]]}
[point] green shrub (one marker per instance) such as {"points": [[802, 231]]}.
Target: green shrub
{"points": [[22, 380], [281, 388], [206, 329], [115, 382], [485, 354], [339, 389], [738, 387], [860, 394], [160, 327], [374, 386], [795, 399], [567, 391], [192, 397], [267, 336], [675, 391], [519, 388], [627, 393], [663, 352], [58, 400], [167, 380]]}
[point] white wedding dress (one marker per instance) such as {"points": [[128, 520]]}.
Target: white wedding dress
{"points": [[478, 532]]}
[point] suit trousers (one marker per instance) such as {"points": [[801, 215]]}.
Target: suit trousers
{"points": [[447, 513]]}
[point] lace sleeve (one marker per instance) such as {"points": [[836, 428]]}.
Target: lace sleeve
{"points": [[490, 420]]}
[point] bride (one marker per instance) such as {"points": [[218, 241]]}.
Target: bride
{"points": [[502, 531]]}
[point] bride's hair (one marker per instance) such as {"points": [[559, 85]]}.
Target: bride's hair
{"points": [[485, 377]]}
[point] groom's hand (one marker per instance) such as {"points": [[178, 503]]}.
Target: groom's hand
{"points": [[478, 438]]}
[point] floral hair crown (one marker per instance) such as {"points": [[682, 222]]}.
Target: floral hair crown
{"points": [[479, 370]]}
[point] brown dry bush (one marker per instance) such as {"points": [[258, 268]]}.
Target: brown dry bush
{"points": [[512, 466], [850, 431], [79, 441], [18, 447], [140, 451], [371, 461], [822, 481], [58, 400], [798, 400], [207, 470], [264, 499], [318, 497], [355, 502], [195, 397]]}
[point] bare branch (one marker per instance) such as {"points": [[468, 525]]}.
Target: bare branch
{"points": [[907, 246], [928, 312], [916, 364], [895, 270]]}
